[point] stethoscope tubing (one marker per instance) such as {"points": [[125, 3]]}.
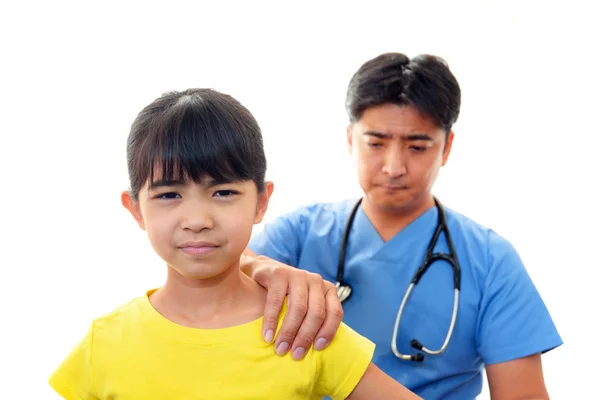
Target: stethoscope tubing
{"points": [[344, 290]]}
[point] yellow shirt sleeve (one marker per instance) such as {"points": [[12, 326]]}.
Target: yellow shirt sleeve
{"points": [[73, 379], [343, 363]]}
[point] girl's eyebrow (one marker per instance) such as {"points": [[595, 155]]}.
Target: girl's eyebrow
{"points": [[163, 183], [208, 183]]}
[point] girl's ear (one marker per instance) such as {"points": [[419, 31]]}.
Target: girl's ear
{"points": [[263, 202], [134, 208]]}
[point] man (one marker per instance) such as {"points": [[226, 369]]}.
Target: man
{"points": [[400, 134]]}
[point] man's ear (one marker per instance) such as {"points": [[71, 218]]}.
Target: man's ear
{"points": [[447, 147], [263, 202], [349, 138], [134, 208]]}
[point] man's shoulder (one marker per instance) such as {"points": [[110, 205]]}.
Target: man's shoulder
{"points": [[481, 248], [323, 212], [488, 254], [476, 232], [342, 206]]}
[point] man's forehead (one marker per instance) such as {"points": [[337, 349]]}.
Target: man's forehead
{"points": [[397, 121], [385, 130]]}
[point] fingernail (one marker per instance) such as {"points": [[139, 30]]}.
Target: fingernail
{"points": [[269, 336], [320, 344], [298, 353], [282, 348]]}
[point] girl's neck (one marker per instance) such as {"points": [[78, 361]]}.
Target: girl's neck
{"points": [[228, 299]]}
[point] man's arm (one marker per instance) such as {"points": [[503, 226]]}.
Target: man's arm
{"points": [[520, 379], [514, 327], [314, 311], [375, 384]]}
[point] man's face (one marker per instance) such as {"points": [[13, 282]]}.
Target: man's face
{"points": [[398, 154]]}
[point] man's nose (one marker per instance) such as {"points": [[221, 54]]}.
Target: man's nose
{"points": [[394, 165]]}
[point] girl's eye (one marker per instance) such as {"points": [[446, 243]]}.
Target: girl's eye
{"points": [[168, 195], [225, 193]]}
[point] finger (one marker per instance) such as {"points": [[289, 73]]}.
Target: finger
{"points": [[314, 317], [276, 293], [334, 314], [298, 306]]}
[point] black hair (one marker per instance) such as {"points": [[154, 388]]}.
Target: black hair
{"points": [[424, 82], [194, 134]]}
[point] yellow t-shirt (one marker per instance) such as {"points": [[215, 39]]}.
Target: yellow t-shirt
{"points": [[136, 353]]}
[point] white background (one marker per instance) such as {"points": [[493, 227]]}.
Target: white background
{"points": [[74, 76]]}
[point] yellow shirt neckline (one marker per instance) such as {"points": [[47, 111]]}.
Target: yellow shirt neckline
{"points": [[247, 332]]}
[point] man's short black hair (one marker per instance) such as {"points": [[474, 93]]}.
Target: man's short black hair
{"points": [[424, 82], [195, 134]]}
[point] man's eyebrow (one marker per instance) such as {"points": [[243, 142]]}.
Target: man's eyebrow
{"points": [[411, 137], [419, 136], [378, 135]]}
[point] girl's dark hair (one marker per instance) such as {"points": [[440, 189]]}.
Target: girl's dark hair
{"points": [[424, 82], [195, 134]]}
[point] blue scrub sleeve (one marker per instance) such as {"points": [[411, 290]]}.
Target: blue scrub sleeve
{"points": [[513, 320], [282, 239]]}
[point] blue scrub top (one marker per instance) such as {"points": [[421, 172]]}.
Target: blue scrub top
{"points": [[501, 316]]}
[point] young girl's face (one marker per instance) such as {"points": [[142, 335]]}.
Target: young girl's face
{"points": [[200, 230]]}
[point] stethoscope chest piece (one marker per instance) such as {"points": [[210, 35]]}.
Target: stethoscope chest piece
{"points": [[343, 291]]}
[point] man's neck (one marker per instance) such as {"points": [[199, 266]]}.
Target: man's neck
{"points": [[388, 222], [225, 300]]}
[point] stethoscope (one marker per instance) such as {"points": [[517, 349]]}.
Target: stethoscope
{"points": [[344, 290]]}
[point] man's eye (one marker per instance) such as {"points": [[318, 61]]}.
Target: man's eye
{"points": [[373, 144], [418, 149], [225, 193], [168, 195]]}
